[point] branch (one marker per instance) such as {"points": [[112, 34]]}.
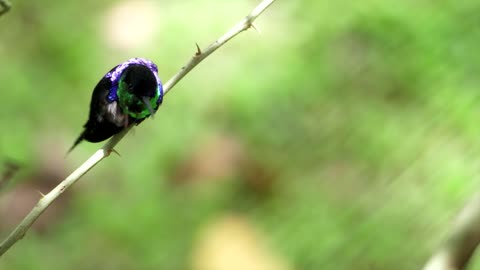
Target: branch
{"points": [[241, 26], [462, 241], [11, 168], [5, 6], [20, 231]]}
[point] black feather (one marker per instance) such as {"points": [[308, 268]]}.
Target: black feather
{"points": [[105, 118]]}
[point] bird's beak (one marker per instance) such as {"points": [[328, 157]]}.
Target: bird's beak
{"points": [[149, 106]]}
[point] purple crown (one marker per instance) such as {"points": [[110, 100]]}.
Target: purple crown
{"points": [[115, 74]]}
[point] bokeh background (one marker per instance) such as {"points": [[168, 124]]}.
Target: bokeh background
{"points": [[344, 136]]}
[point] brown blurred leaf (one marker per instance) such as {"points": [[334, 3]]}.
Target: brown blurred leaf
{"points": [[214, 159], [223, 157]]}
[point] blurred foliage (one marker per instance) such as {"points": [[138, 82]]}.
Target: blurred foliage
{"points": [[354, 125]]}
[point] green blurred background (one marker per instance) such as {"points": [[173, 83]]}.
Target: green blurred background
{"points": [[344, 136]]}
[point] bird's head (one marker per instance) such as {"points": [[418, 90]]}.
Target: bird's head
{"points": [[138, 91]]}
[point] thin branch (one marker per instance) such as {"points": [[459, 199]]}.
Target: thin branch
{"points": [[20, 231], [241, 26], [5, 6], [11, 168], [456, 251]]}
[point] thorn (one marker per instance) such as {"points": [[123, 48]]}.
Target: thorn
{"points": [[198, 50], [255, 27], [113, 151], [41, 194]]}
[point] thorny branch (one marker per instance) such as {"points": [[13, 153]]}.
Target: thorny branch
{"points": [[461, 242], [20, 231]]}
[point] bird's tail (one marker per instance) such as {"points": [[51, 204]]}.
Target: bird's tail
{"points": [[79, 140]]}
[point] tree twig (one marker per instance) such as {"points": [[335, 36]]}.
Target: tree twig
{"points": [[5, 6], [463, 239], [241, 26], [11, 168], [105, 151]]}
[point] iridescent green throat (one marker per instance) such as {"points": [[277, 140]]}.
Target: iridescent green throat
{"points": [[132, 105]]}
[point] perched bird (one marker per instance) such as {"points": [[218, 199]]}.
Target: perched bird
{"points": [[126, 95]]}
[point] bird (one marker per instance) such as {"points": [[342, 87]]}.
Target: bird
{"points": [[128, 94]]}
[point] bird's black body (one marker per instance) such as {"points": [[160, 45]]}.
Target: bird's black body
{"points": [[102, 123], [120, 99]]}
